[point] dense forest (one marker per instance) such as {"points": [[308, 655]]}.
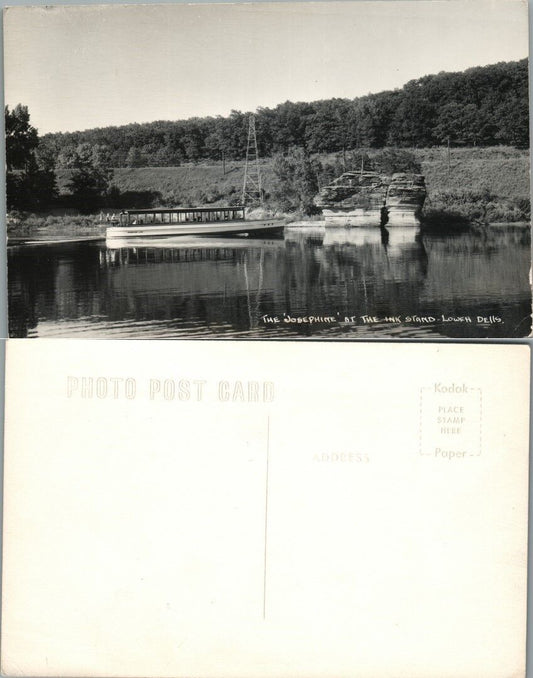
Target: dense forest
{"points": [[303, 146], [482, 106]]}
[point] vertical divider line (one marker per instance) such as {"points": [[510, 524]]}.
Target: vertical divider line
{"points": [[266, 516]]}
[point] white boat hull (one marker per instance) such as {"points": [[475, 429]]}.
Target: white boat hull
{"points": [[192, 228], [196, 242]]}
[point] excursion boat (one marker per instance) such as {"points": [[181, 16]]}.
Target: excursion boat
{"points": [[190, 221]]}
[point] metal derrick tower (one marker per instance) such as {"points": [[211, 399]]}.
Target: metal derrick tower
{"points": [[252, 192]]}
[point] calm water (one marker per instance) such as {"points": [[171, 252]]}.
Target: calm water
{"points": [[411, 285]]}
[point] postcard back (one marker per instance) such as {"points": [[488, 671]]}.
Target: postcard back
{"points": [[264, 509]]}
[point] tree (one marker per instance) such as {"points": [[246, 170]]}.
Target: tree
{"points": [[217, 142], [40, 188], [91, 175], [513, 117], [21, 137], [295, 181], [364, 125], [326, 130], [459, 124], [413, 119], [134, 157], [30, 177]]}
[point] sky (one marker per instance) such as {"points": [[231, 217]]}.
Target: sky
{"points": [[78, 67]]}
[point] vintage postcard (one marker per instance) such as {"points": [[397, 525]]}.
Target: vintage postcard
{"points": [[269, 170], [254, 510]]}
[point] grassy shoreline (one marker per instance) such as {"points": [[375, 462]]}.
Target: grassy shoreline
{"points": [[465, 185], [28, 226]]}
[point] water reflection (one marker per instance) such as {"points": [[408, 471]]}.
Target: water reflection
{"points": [[398, 253], [226, 286]]}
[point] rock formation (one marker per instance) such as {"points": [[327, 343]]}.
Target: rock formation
{"points": [[372, 199], [354, 199], [405, 198]]}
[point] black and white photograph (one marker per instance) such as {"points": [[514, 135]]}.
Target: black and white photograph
{"points": [[306, 170]]}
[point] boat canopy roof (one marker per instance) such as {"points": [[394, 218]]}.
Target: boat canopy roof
{"points": [[181, 210]]}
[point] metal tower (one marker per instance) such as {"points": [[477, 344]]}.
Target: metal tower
{"points": [[252, 192]]}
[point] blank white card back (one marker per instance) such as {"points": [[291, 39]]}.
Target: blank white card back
{"points": [[258, 509]]}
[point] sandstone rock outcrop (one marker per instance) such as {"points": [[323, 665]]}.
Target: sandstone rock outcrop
{"points": [[354, 198], [405, 198], [369, 198]]}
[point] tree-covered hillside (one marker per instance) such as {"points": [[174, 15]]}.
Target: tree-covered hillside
{"points": [[482, 106]]}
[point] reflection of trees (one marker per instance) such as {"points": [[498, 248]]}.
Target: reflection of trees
{"points": [[478, 268], [23, 285], [56, 282], [353, 272], [217, 286], [227, 288], [30, 279]]}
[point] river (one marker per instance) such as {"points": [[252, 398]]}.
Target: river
{"points": [[313, 282]]}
